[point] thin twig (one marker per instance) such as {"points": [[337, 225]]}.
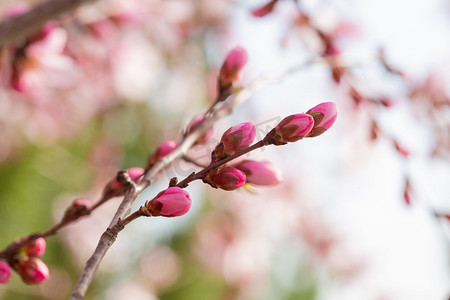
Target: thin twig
{"points": [[192, 161], [212, 166], [15, 246]]}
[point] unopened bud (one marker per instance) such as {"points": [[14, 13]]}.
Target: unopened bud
{"points": [[234, 62], [5, 272], [197, 121], [290, 129], [172, 202], [324, 116], [163, 150], [260, 172], [35, 248], [79, 207], [32, 270], [228, 179], [115, 188], [135, 174], [238, 138]]}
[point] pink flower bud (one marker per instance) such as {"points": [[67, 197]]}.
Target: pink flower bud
{"points": [[197, 121], [294, 128], [80, 207], [115, 188], [229, 179], [5, 272], [36, 248], [324, 116], [165, 148], [232, 66], [260, 172], [32, 270], [135, 174], [172, 202], [265, 9], [238, 137]]}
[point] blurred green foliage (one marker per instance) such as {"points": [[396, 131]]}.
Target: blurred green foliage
{"points": [[40, 174]]}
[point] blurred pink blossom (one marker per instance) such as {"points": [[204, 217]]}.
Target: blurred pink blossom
{"points": [[231, 68], [265, 9], [5, 272], [260, 172], [43, 65], [198, 120]]}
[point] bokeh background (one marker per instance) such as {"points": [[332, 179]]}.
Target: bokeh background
{"points": [[361, 213]]}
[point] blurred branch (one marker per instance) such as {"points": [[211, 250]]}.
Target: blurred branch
{"points": [[18, 27], [106, 241], [192, 161]]}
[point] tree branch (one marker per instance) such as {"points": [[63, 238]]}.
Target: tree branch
{"points": [[16, 28]]}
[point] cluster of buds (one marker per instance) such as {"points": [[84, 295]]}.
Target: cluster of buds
{"points": [[240, 137], [175, 201], [32, 270], [26, 262], [235, 139], [311, 124]]}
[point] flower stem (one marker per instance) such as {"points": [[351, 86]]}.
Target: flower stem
{"points": [[199, 175]]}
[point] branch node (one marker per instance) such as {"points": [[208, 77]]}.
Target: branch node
{"points": [[144, 211], [173, 182]]}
